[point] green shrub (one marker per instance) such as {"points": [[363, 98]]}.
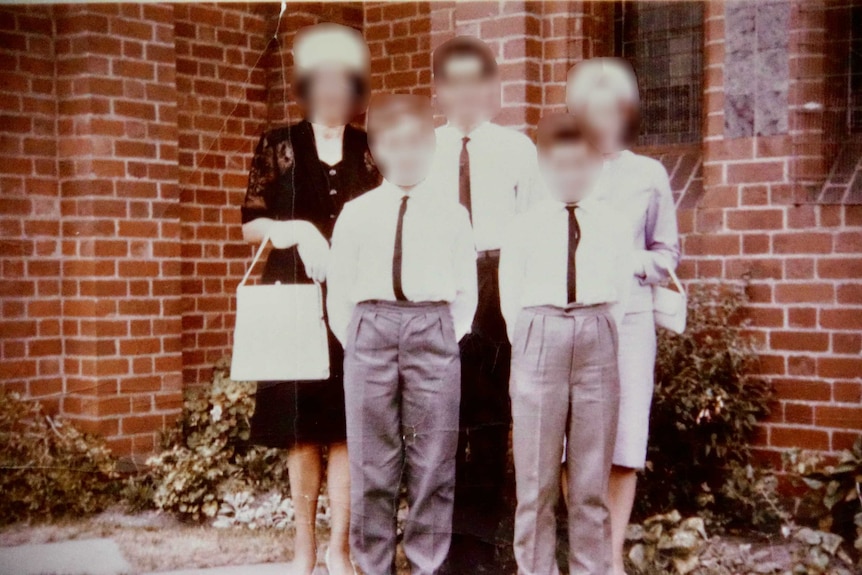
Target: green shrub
{"points": [[207, 456], [49, 469], [833, 499], [708, 402]]}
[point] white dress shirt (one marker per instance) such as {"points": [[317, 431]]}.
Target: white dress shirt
{"points": [[638, 189], [534, 259], [504, 177], [438, 255]]}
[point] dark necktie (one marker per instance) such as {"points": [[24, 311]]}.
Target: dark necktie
{"points": [[464, 177], [396, 259], [571, 267]]}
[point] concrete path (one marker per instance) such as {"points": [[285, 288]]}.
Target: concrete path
{"points": [[103, 557], [262, 569], [85, 557]]}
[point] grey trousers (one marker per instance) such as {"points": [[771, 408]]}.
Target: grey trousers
{"points": [[402, 384], [564, 381]]}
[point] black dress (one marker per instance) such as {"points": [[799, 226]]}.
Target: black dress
{"points": [[287, 181]]}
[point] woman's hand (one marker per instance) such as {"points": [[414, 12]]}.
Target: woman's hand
{"points": [[314, 251], [283, 235], [312, 246]]}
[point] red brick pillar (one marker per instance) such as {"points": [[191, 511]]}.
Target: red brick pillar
{"points": [[535, 43], [571, 31], [30, 344], [117, 159], [512, 30]]}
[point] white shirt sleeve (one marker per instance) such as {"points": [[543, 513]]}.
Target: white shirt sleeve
{"points": [[341, 275], [531, 188], [463, 306], [511, 277]]}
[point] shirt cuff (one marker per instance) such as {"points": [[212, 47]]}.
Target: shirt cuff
{"points": [[641, 261]]}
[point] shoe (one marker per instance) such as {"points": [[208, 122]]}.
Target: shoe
{"points": [[326, 561]]}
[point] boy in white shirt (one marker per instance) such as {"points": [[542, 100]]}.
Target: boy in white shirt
{"points": [[564, 272], [401, 294], [493, 172]]}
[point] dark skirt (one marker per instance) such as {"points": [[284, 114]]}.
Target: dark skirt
{"points": [[288, 413]]}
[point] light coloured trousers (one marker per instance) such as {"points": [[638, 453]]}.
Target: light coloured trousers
{"points": [[564, 381], [402, 388]]}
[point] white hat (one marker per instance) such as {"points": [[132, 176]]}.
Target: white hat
{"points": [[329, 43], [612, 74]]}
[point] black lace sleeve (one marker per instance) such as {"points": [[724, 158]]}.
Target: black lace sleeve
{"points": [[271, 159]]}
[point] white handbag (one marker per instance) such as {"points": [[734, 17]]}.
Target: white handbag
{"points": [[280, 331], [670, 306]]}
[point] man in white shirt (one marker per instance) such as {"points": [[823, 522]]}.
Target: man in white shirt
{"points": [[565, 271], [402, 292], [492, 171]]}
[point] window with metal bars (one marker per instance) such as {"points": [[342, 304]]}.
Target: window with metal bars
{"points": [[843, 66], [841, 71], [664, 43]]}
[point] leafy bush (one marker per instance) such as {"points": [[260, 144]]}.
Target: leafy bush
{"points": [[754, 499], [833, 500], [207, 456], [49, 468], [708, 402]]}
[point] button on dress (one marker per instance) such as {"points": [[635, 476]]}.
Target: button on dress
{"points": [[287, 181]]}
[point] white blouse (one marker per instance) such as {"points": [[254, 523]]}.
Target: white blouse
{"points": [[638, 189]]}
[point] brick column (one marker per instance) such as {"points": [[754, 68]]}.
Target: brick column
{"points": [[802, 260], [513, 31], [30, 344], [535, 43], [571, 32], [117, 159]]}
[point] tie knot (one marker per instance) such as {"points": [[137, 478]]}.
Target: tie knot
{"points": [[571, 208], [465, 139], [404, 199]]}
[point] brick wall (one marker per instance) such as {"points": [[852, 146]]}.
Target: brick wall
{"points": [[222, 108], [399, 37], [126, 131], [30, 250], [804, 261]]}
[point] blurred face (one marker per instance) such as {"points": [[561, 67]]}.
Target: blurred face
{"points": [[463, 93], [606, 120], [404, 150], [330, 96], [570, 170]]}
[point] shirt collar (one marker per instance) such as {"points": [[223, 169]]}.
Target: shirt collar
{"points": [[585, 204], [396, 193], [477, 131]]}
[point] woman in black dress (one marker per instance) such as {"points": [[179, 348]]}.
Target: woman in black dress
{"points": [[301, 176]]}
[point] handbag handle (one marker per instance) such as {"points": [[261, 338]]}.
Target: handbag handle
{"points": [[674, 279], [263, 243], [267, 239]]}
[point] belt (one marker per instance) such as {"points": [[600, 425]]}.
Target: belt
{"points": [[488, 255], [401, 305], [570, 310]]}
